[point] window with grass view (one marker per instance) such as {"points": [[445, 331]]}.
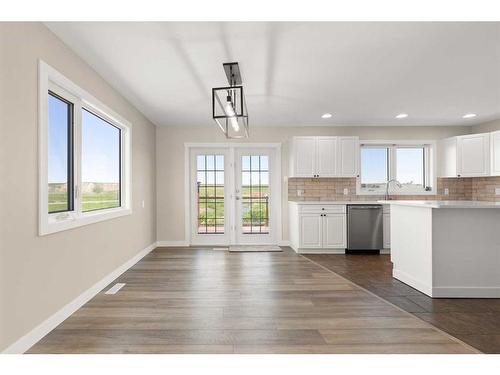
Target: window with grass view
{"points": [[100, 163], [210, 184], [84, 157], [255, 193], [60, 146]]}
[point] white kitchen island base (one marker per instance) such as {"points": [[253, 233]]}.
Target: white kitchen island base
{"points": [[447, 249]]}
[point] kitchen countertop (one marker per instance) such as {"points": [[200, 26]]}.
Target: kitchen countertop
{"points": [[443, 204], [334, 202]]}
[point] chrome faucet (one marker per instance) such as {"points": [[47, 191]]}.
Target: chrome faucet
{"points": [[387, 187]]}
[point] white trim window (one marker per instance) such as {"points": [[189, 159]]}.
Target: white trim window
{"points": [[84, 156], [409, 163]]}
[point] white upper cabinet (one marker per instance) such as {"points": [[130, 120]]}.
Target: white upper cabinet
{"points": [[447, 157], [324, 157], [473, 155], [467, 156], [304, 157], [495, 153], [348, 156]]}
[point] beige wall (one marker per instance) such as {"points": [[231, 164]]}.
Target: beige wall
{"points": [[170, 160], [486, 127], [39, 275]]}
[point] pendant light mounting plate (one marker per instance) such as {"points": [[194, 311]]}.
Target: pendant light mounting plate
{"points": [[233, 74]]}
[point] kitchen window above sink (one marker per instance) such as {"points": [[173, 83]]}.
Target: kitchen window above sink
{"points": [[409, 163]]}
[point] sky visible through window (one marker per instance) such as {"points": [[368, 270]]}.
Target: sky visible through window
{"points": [[410, 165], [374, 165], [100, 150], [100, 146], [58, 140]]}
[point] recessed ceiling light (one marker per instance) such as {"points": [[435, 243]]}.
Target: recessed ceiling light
{"points": [[402, 115], [326, 115], [469, 115]]}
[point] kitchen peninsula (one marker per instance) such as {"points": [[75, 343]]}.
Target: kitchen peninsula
{"points": [[447, 248]]}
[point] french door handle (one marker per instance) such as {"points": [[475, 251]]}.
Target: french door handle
{"points": [[237, 198]]}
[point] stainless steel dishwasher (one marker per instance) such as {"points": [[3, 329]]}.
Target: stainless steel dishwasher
{"points": [[364, 227]]}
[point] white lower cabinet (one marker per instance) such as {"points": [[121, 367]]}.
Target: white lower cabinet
{"points": [[317, 228], [311, 231], [334, 231]]}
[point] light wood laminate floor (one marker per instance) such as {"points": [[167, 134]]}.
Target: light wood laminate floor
{"points": [[186, 300]]}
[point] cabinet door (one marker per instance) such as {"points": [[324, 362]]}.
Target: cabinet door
{"points": [[473, 155], [326, 156], [334, 231], [304, 156], [347, 160], [495, 153], [310, 230], [387, 231], [447, 157]]}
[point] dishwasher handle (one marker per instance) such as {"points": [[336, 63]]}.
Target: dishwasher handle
{"points": [[358, 207]]}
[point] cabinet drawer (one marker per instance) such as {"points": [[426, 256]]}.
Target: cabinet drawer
{"points": [[320, 209]]}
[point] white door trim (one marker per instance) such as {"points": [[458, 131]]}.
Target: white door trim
{"points": [[231, 147]]}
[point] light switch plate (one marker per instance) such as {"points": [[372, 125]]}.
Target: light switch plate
{"points": [[143, 204], [497, 191], [446, 191], [346, 191]]}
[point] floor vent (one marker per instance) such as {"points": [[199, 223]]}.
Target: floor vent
{"points": [[115, 288]]}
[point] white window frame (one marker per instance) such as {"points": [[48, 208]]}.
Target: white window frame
{"points": [[392, 145], [50, 79]]}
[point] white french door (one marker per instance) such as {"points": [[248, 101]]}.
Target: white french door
{"points": [[210, 196], [234, 195], [255, 206]]}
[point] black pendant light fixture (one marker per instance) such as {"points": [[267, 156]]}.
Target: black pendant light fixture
{"points": [[229, 109]]}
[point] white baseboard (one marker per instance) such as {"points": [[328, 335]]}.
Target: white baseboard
{"points": [[414, 283], [182, 243], [36, 334], [447, 291], [385, 251], [320, 251], [465, 292]]}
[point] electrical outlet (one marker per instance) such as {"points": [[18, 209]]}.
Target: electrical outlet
{"points": [[497, 191], [346, 191], [446, 191], [299, 193]]}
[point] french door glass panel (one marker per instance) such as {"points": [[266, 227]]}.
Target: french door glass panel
{"points": [[255, 194], [210, 193]]}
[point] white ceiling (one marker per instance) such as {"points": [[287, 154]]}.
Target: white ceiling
{"points": [[363, 73]]}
